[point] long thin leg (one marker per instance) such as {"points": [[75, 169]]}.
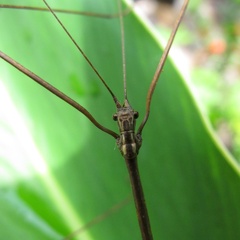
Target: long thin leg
{"points": [[83, 13], [99, 218], [57, 93], [160, 66]]}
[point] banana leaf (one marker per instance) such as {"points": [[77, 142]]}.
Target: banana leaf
{"points": [[59, 174]]}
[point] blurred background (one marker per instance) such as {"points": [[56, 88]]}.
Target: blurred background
{"points": [[209, 41]]}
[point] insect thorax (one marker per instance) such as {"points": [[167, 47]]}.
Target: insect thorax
{"points": [[128, 142]]}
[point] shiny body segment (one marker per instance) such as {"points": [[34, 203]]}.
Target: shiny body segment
{"points": [[128, 142]]}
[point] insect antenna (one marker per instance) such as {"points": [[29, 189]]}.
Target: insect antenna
{"points": [[84, 55], [52, 88], [123, 49]]}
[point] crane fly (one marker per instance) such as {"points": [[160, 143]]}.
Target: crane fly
{"points": [[128, 140]]}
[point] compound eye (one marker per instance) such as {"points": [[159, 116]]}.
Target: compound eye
{"points": [[135, 115], [115, 117]]}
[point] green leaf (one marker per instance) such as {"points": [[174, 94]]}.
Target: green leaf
{"points": [[58, 172]]}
